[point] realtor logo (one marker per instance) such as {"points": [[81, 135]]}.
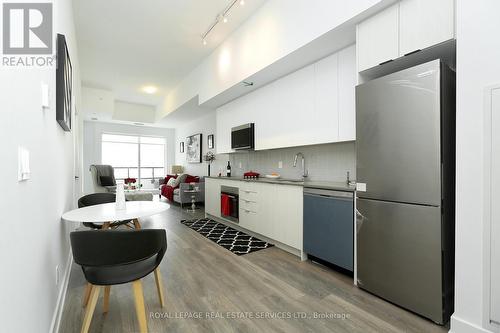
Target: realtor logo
{"points": [[27, 28]]}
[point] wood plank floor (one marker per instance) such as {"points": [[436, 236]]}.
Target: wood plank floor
{"points": [[202, 279]]}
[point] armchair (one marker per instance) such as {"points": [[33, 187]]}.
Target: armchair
{"points": [[96, 171]]}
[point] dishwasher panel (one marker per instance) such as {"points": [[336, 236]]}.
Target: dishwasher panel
{"points": [[329, 225]]}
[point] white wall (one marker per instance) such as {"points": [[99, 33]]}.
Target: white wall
{"points": [[478, 65], [92, 144], [275, 30], [34, 240], [206, 126]]}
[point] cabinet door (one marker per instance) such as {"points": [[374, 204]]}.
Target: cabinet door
{"points": [[347, 85], [212, 197], [284, 109], [325, 115], [287, 215], [223, 131], [378, 38], [424, 23]]}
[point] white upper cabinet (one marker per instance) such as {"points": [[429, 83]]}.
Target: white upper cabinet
{"points": [[424, 23], [313, 105], [408, 26], [284, 111], [378, 38], [326, 99], [223, 130], [348, 79]]}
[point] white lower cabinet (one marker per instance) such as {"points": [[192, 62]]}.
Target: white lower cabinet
{"points": [[271, 210], [212, 197], [286, 214]]}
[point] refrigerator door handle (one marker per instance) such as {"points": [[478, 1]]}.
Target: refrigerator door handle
{"points": [[361, 216]]}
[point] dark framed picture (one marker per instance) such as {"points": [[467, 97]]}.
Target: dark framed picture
{"points": [[210, 140], [193, 148], [181, 147], [64, 84]]}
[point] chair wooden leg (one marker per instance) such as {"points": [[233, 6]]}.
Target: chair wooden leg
{"points": [[139, 306], [159, 286], [94, 295], [86, 294], [105, 307]]}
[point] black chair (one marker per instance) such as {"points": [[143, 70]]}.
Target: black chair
{"points": [[97, 199], [115, 257]]}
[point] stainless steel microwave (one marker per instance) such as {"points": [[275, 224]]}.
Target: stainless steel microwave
{"points": [[243, 137]]}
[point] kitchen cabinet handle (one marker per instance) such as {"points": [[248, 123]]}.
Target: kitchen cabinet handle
{"points": [[410, 53], [385, 62]]}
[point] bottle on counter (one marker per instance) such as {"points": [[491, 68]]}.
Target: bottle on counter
{"points": [[228, 170]]}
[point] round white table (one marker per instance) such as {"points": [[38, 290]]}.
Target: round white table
{"points": [[106, 213]]}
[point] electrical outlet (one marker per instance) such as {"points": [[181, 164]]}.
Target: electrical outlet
{"points": [[57, 275], [280, 165], [240, 166]]}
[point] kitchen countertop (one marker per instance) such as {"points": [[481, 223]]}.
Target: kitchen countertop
{"points": [[327, 185]]}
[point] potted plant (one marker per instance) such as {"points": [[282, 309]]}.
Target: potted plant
{"points": [[209, 158], [130, 182]]}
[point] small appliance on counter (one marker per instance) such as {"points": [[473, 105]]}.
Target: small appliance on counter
{"points": [[251, 175]]}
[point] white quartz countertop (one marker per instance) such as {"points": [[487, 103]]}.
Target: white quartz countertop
{"points": [[327, 185]]}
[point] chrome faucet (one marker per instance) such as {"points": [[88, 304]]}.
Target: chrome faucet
{"points": [[304, 171]]}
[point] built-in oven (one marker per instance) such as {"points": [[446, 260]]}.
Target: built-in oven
{"points": [[229, 203], [242, 137]]}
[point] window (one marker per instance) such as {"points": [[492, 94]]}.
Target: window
{"points": [[140, 157]]}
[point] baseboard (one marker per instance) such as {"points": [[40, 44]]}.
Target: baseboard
{"points": [[61, 298], [458, 325]]}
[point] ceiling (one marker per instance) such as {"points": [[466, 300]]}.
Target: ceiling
{"points": [[124, 45]]}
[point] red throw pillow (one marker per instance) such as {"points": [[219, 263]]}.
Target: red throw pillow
{"points": [[168, 177], [192, 179]]}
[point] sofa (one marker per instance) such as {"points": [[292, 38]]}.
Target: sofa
{"points": [[178, 194]]}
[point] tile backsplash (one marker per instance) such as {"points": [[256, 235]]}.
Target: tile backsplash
{"points": [[326, 162]]}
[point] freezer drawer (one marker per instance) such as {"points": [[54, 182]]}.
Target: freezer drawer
{"points": [[399, 254], [328, 228]]}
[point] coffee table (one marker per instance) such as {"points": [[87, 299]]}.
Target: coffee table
{"points": [[138, 195]]}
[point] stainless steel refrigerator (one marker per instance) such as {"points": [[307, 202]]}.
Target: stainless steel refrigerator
{"points": [[405, 147]]}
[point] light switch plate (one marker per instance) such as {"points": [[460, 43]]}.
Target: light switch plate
{"points": [[280, 165], [23, 165], [45, 95], [361, 187]]}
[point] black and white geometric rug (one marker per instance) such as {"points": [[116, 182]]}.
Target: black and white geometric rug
{"points": [[235, 241]]}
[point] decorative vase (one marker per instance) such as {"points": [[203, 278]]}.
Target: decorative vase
{"points": [[120, 197], [208, 169]]}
